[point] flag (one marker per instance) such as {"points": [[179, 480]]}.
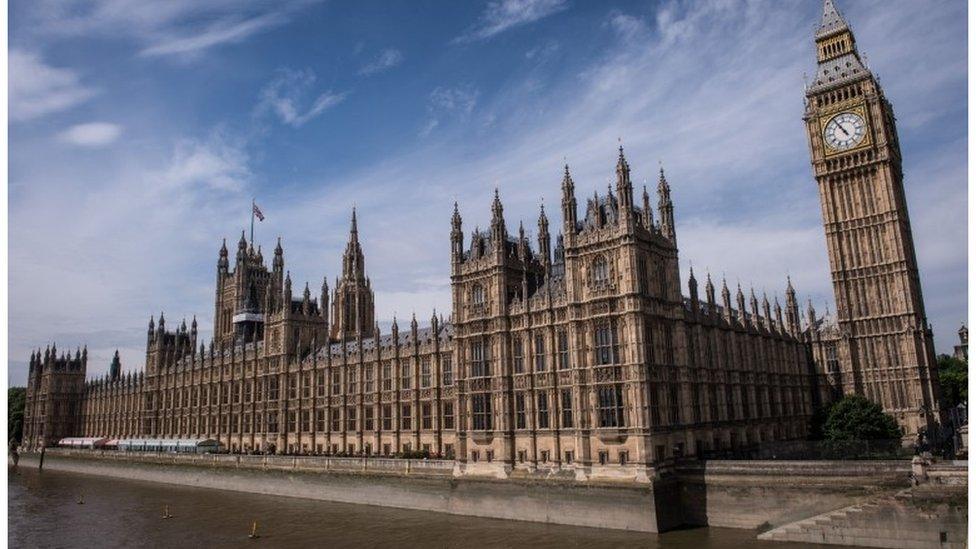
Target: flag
{"points": [[257, 212]]}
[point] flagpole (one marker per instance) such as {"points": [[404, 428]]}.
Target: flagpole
{"points": [[252, 222]]}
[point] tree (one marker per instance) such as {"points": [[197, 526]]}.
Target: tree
{"points": [[857, 418], [954, 379], [16, 400]]}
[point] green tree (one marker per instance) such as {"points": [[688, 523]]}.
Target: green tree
{"points": [[857, 418], [954, 379], [16, 400]]}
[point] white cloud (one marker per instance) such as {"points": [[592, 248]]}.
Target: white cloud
{"points": [[214, 164], [37, 89], [92, 134], [501, 15], [173, 28], [387, 59], [286, 94], [449, 103]]}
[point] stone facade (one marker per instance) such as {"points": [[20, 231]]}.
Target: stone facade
{"points": [[881, 341], [584, 355], [581, 355]]}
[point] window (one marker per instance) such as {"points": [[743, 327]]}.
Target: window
{"points": [[610, 406], [405, 419], [336, 425], [387, 417], [540, 350], [292, 422], [292, 386], [272, 388], [387, 376], [272, 422], [674, 405], [520, 410], [567, 408], [562, 343], [351, 418], [405, 378], [746, 407], [654, 403], [320, 384], [448, 415], [479, 359], [307, 385], [351, 385], [606, 344], [481, 411], [320, 420], [426, 418], [542, 410], [368, 382], [447, 369], [336, 383], [696, 405], [729, 403], [425, 373], [600, 271], [478, 296], [306, 421], [518, 358], [368, 418]]}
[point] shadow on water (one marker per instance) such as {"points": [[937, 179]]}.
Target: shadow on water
{"points": [[43, 512]]}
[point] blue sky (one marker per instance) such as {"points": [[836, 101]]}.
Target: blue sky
{"points": [[140, 131]]}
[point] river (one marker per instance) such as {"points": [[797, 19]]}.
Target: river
{"points": [[43, 511]]}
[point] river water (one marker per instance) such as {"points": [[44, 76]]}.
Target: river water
{"points": [[44, 512]]}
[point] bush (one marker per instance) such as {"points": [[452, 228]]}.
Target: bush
{"points": [[857, 418], [16, 401]]}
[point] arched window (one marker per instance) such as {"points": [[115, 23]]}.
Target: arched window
{"points": [[478, 295], [600, 271]]}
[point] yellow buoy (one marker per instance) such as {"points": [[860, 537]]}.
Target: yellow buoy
{"points": [[254, 530]]}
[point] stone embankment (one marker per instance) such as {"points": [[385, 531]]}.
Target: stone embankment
{"points": [[931, 514], [856, 502]]}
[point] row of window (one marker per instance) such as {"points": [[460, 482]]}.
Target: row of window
{"points": [[606, 349]]}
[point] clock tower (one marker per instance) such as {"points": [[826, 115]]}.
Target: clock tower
{"points": [[885, 349]]}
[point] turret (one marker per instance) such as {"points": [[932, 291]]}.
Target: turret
{"points": [[544, 240], [693, 291], [569, 204], [767, 316], [811, 316], [115, 369], [666, 209], [754, 307], [779, 315], [792, 310], [740, 301], [647, 217], [625, 190], [710, 294], [324, 300], [152, 330], [498, 233], [457, 237], [286, 292], [222, 263], [278, 263], [726, 301], [241, 248]]}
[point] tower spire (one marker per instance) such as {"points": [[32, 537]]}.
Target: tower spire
{"points": [[666, 209]]}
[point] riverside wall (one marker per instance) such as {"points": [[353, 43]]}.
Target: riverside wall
{"points": [[757, 495]]}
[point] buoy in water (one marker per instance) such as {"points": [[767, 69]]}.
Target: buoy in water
{"points": [[254, 531], [80, 501], [166, 514]]}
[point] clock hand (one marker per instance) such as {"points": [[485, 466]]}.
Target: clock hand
{"points": [[843, 130]]}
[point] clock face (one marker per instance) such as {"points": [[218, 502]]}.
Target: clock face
{"points": [[844, 131]]}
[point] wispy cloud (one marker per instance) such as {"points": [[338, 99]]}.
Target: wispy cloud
{"points": [[214, 163], [37, 89], [92, 134], [449, 103], [174, 28], [386, 60], [501, 15], [287, 95]]}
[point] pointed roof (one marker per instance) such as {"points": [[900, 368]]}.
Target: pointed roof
{"points": [[832, 20]]}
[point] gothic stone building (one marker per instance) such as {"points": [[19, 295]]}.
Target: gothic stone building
{"points": [[579, 352]]}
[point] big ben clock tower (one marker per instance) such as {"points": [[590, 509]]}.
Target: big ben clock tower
{"points": [[885, 352]]}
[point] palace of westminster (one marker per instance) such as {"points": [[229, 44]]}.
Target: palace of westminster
{"points": [[580, 350]]}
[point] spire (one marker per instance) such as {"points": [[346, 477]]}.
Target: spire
{"points": [[726, 300], [222, 263], [693, 290], [740, 301], [792, 309], [286, 292], [811, 315], [116, 367], [457, 236], [278, 263], [569, 203], [666, 208], [648, 217], [353, 229], [832, 20], [544, 239], [709, 293], [498, 233], [625, 190]]}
